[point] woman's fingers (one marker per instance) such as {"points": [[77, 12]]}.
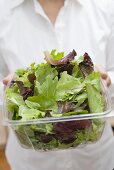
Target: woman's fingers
{"points": [[7, 79], [108, 81], [104, 75]]}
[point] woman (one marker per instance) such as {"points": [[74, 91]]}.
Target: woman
{"points": [[27, 28]]}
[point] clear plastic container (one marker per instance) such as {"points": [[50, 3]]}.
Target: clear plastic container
{"points": [[66, 132]]}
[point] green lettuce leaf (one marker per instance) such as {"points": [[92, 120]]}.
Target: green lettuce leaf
{"points": [[45, 128], [44, 103], [46, 94], [77, 73], [28, 114], [57, 56], [67, 85], [43, 70], [20, 72], [75, 113], [80, 59], [94, 92], [95, 99], [13, 97], [32, 105], [80, 98], [24, 79], [48, 88], [94, 79]]}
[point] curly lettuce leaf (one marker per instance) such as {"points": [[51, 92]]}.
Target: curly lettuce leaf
{"points": [[86, 66], [48, 88], [76, 72], [43, 128], [20, 72], [13, 97], [80, 98], [32, 105], [28, 114], [67, 85], [46, 94], [57, 56], [43, 71], [44, 102]]}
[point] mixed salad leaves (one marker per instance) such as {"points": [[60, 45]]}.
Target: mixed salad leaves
{"points": [[62, 86]]}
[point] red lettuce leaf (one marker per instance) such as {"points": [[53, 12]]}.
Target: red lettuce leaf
{"points": [[86, 66], [31, 78], [63, 61]]}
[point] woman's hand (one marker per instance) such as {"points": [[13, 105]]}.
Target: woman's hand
{"points": [[7, 79], [104, 75]]}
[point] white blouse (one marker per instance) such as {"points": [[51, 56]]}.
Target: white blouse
{"points": [[25, 32]]}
